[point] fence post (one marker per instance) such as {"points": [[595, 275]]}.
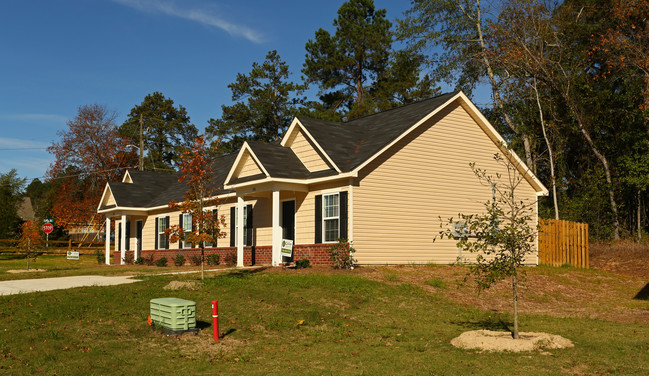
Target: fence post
{"points": [[70, 245]]}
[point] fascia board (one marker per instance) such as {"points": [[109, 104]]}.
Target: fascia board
{"points": [[126, 174], [103, 195], [148, 209], [293, 181]]}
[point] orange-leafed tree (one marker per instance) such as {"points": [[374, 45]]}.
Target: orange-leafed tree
{"points": [[31, 240], [196, 172], [89, 154]]}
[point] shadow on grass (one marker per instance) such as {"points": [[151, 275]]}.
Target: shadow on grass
{"points": [[243, 273], [489, 323], [643, 294]]}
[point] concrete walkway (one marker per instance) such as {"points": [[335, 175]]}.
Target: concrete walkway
{"points": [[21, 286]]}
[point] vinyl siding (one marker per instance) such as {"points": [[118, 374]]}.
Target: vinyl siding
{"points": [[247, 167], [306, 152], [401, 195]]}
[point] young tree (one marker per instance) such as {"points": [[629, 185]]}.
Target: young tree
{"points": [[502, 236], [196, 168], [89, 154], [31, 240], [267, 104], [167, 131], [11, 187]]}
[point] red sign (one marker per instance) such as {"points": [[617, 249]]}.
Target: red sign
{"points": [[47, 228]]}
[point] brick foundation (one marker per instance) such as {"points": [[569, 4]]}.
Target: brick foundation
{"points": [[255, 255]]}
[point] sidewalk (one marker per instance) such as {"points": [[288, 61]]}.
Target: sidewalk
{"points": [[21, 286]]}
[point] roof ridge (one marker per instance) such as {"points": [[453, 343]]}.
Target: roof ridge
{"points": [[451, 93]]}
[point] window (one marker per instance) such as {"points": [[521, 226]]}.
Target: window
{"points": [[163, 224], [187, 228], [247, 226], [331, 217]]}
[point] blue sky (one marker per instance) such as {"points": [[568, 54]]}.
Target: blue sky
{"points": [[61, 54]]}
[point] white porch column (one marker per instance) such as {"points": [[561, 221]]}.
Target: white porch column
{"points": [[122, 237], [107, 240], [277, 230], [240, 230], [350, 212]]}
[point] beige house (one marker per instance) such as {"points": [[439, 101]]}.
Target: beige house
{"points": [[381, 181]]}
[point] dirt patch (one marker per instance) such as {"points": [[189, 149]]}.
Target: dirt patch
{"points": [[624, 257], [488, 340], [182, 285], [16, 271]]}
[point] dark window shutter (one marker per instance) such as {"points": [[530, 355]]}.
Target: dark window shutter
{"points": [[128, 236], [166, 227], [215, 214], [249, 225], [343, 215], [180, 223], [318, 219], [233, 210], [156, 233]]}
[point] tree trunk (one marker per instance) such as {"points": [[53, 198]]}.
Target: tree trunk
{"points": [[547, 142], [496, 91], [515, 291], [639, 219]]}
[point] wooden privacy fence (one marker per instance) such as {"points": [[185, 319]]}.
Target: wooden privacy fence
{"points": [[563, 242]]}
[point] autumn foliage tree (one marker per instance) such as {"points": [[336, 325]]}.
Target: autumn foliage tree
{"points": [[196, 172], [31, 240], [89, 154]]}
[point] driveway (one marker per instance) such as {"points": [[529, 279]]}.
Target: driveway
{"points": [[47, 284]]}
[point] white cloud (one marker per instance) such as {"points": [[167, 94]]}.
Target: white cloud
{"points": [[201, 15], [18, 143], [51, 118]]}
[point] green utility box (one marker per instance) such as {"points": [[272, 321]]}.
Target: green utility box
{"points": [[176, 315]]}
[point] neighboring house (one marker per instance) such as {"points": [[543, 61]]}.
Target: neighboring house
{"points": [[381, 181], [25, 210]]}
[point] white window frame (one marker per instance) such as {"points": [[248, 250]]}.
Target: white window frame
{"points": [[187, 227], [236, 226], [162, 239], [326, 218]]}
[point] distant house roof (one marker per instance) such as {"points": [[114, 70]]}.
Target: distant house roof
{"points": [[25, 210], [153, 189]]}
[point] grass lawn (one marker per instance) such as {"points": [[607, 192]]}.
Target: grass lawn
{"points": [[370, 321]]}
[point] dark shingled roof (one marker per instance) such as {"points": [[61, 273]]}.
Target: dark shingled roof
{"points": [[347, 144], [352, 143], [150, 188]]}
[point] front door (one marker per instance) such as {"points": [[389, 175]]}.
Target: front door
{"points": [[288, 224]]}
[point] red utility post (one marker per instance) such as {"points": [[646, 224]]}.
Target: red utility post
{"points": [[215, 319]]}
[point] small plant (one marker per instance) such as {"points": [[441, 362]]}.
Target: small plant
{"points": [[437, 283], [139, 261], [230, 259], [161, 262], [101, 256], [342, 255], [195, 260], [149, 260], [179, 259], [128, 258], [302, 263], [213, 259]]}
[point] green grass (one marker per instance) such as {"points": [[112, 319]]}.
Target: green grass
{"points": [[59, 266], [351, 326]]}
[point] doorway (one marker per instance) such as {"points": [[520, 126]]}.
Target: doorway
{"points": [[288, 225]]}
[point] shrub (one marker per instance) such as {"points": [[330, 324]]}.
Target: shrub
{"points": [[101, 256], [139, 261], [161, 262], [149, 260], [128, 258], [179, 259], [195, 260], [213, 259], [342, 255], [230, 259], [302, 263]]}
